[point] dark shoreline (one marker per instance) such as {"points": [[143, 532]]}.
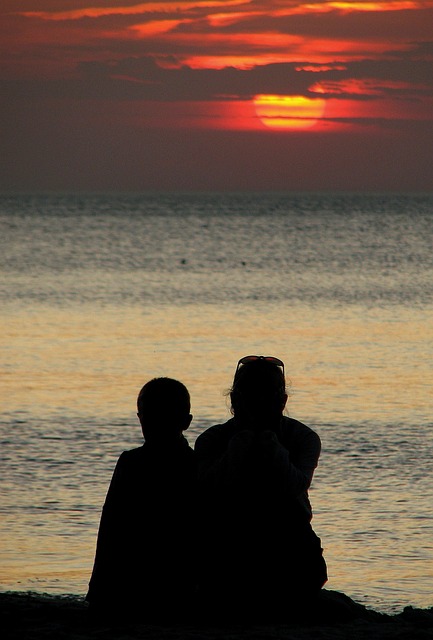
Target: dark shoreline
{"points": [[35, 616]]}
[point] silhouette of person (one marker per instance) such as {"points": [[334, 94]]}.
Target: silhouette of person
{"points": [[141, 566], [261, 555]]}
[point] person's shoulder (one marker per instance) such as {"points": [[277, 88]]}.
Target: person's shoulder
{"points": [[131, 456], [147, 459], [296, 429], [218, 429], [133, 453], [127, 464], [215, 433]]}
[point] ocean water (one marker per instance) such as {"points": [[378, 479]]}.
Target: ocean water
{"points": [[99, 293]]}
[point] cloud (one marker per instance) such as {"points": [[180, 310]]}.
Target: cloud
{"points": [[213, 34], [162, 78], [368, 88], [88, 82], [133, 9]]}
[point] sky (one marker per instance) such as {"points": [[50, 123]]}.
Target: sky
{"points": [[209, 95]]}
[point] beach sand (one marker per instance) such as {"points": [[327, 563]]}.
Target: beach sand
{"points": [[32, 616]]}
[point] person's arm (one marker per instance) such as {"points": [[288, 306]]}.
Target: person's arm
{"points": [[107, 534], [293, 470], [222, 458]]}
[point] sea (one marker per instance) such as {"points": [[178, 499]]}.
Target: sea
{"points": [[101, 292]]}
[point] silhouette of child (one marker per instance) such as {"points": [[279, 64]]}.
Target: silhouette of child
{"points": [[141, 564]]}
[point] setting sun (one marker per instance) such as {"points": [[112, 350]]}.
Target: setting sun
{"points": [[288, 112]]}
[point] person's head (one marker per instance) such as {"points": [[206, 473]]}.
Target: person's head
{"points": [[259, 388], [163, 408]]}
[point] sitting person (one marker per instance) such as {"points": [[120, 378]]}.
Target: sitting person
{"points": [[141, 564], [261, 556]]}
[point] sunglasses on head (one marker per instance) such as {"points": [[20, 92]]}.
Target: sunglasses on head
{"points": [[276, 361]]}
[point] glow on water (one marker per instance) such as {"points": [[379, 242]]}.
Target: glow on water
{"points": [[348, 364]]}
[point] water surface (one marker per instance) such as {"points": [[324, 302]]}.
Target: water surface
{"points": [[99, 293]]}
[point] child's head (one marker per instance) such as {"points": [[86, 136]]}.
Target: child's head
{"points": [[163, 406]]}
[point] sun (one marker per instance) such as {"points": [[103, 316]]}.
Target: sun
{"points": [[288, 112]]}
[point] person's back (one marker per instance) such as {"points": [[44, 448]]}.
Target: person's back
{"points": [[141, 564]]}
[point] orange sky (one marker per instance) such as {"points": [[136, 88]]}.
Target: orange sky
{"points": [[84, 79]]}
